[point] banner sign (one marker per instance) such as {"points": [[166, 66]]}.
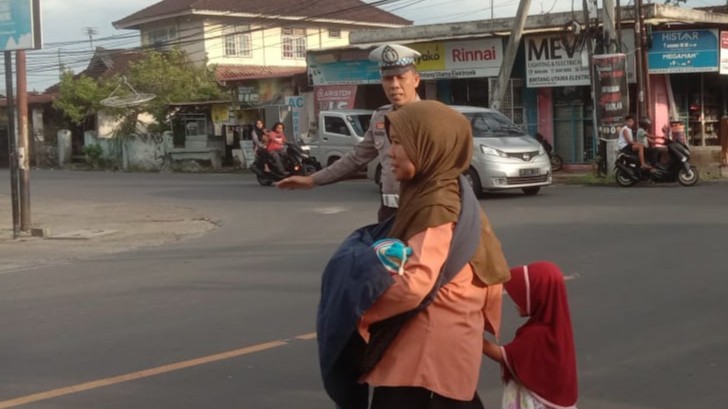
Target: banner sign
{"points": [[612, 93], [459, 59], [550, 64], [683, 51], [724, 52], [20, 25], [334, 97], [343, 73]]}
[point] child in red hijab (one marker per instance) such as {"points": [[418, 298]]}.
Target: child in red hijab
{"points": [[539, 365]]}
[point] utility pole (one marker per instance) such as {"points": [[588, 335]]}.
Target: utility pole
{"points": [[90, 32], [23, 158], [496, 97], [609, 147], [11, 144], [645, 67]]}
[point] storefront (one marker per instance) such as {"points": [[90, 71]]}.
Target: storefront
{"points": [[687, 84]]}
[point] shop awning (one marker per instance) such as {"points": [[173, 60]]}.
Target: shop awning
{"points": [[226, 73]]}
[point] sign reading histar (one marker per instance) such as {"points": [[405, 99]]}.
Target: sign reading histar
{"points": [[683, 51], [550, 64]]}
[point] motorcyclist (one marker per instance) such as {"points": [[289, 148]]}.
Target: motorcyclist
{"points": [[276, 146], [542, 140]]}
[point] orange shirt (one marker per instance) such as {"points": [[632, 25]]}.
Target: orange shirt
{"points": [[440, 349]]}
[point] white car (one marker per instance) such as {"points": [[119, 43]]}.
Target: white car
{"points": [[504, 156]]}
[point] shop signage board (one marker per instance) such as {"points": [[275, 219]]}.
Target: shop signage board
{"points": [[20, 25], [295, 104], [334, 97], [343, 73], [612, 93], [480, 58], [550, 64], [683, 51], [724, 52]]}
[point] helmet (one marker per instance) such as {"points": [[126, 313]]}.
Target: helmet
{"points": [[645, 121]]}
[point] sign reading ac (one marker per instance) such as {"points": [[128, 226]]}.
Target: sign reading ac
{"points": [[295, 102]]}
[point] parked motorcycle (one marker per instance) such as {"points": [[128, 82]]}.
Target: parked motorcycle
{"points": [[677, 168], [296, 161]]}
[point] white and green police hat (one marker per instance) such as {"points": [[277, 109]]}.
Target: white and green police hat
{"points": [[394, 59]]}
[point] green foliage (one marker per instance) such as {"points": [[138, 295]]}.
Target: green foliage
{"points": [[80, 97], [172, 77], [93, 154]]}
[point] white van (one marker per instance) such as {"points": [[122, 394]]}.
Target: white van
{"points": [[336, 133], [504, 156]]}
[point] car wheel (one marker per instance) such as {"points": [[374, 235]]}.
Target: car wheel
{"points": [[531, 191], [688, 178], [474, 180]]}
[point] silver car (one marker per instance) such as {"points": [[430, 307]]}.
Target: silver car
{"points": [[504, 156]]}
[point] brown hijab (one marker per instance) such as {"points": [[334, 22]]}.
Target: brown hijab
{"points": [[439, 141]]}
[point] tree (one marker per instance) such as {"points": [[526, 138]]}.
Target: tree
{"points": [[79, 97], [172, 77]]}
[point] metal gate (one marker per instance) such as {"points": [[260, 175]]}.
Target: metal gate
{"points": [[573, 133]]}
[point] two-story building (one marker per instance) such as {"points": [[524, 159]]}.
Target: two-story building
{"points": [[258, 47]]}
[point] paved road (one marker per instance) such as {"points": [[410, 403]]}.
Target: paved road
{"points": [[647, 297]]}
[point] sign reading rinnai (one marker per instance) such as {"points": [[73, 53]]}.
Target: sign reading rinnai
{"points": [[460, 59]]}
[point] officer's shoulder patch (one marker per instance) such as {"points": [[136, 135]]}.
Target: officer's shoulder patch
{"points": [[380, 125]]}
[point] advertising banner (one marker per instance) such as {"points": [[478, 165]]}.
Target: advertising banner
{"points": [[19, 25], [724, 52], [683, 51], [298, 120], [480, 58], [333, 97], [550, 64], [343, 73], [612, 93]]}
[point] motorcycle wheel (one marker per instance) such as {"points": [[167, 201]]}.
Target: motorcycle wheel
{"points": [[556, 162], [623, 178], [688, 178], [263, 180]]}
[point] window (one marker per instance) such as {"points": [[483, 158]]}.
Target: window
{"points": [[336, 125], [162, 37], [237, 41], [334, 33], [294, 43]]}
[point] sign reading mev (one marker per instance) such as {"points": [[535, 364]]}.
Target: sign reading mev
{"points": [[550, 64], [19, 25]]}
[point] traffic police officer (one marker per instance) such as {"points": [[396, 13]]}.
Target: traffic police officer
{"points": [[399, 81]]}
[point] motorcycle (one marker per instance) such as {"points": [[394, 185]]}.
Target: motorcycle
{"points": [[296, 161], [677, 168]]}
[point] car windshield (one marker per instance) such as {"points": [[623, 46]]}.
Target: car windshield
{"points": [[360, 123], [492, 125]]}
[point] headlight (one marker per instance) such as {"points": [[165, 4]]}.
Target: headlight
{"points": [[305, 148], [492, 151], [541, 151]]}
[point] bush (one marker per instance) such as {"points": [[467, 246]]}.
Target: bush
{"points": [[93, 154]]}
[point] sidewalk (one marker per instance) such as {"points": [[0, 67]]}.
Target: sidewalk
{"points": [[82, 229]]}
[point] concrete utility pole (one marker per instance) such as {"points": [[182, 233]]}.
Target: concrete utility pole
{"points": [[610, 146], [12, 147], [497, 93], [90, 32], [23, 145]]}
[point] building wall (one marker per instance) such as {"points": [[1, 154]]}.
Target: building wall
{"points": [[187, 33], [266, 43]]}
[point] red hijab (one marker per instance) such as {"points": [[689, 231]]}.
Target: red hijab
{"points": [[541, 356]]}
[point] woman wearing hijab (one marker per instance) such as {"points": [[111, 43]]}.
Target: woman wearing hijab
{"points": [[539, 365], [434, 361]]}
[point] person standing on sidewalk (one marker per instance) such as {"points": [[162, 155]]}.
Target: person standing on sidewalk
{"points": [[399, 81]]}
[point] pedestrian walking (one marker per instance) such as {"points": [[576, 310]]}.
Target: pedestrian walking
{"points": [[447, 285], [399, 82], [539, 365]]}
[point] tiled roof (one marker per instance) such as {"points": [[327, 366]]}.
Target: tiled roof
{"points": [[34, 98], [352, 11], [225, 73]]}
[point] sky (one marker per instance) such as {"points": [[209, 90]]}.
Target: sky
{"points": [[65, 24]]}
